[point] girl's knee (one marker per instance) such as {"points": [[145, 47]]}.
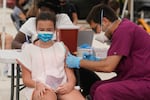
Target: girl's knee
{"points": [[73, 95], [46, 96], [49, 95]]}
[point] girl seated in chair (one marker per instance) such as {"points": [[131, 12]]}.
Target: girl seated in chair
{"points": [[44, 71]]}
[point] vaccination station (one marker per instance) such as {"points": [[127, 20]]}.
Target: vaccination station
{"points": [[74, 49]]}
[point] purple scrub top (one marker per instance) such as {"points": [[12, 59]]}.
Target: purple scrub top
{"points": [[132, 43], [133, 71]]}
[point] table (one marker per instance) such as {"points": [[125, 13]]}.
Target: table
{"points": [[9, 57]]}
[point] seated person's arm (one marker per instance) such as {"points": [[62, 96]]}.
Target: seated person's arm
{"points": [[18, 40], [75, 18], [26, 76], [27, 79], [8, 41], [71, 80], [74, 14], [22, 16], [70, 73]]}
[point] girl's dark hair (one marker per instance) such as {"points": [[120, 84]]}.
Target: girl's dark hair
{"points": [[95, 13], [46, 16]]}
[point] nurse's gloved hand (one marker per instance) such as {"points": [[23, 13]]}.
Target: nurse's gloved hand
{"points": [[73, 61], [89, 56], [85, 46]]}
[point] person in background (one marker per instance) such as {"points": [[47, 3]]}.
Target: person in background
{"points": [[1, 3], [70, 9], [44, 71], [128, 56], [33, 10], [18, 13], [8, 41], [114, 4], [28, 30]]}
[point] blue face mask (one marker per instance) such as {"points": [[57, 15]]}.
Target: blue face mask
{"points": [[45, 36]]}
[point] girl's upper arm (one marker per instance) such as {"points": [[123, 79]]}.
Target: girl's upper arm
{"points": [[67, 51]]}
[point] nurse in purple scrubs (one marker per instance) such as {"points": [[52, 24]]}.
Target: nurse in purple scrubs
{"points": [[128, 56]]}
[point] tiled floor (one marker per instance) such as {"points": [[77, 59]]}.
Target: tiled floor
{"points": [[5, 90]]}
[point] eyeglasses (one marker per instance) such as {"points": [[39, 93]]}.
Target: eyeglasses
{"points": [[95, 28]]}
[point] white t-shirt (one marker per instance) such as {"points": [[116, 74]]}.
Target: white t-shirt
{"points": [[45, 64], [29, 27]]}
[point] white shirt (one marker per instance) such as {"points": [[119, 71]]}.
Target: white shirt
{"points": [[45, 64], [29, 27]]}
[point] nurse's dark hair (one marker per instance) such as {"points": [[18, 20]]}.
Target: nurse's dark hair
{"points": [[95, 14], [46, 15]]}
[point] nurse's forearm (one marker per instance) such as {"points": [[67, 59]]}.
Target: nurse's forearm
{"points": [[100, 66]]}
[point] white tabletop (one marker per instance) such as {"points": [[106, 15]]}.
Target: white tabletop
{"points": [[9, 56]]}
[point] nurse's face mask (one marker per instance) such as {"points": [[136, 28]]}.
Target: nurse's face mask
{"points": [[101, 37], [46, 36]]}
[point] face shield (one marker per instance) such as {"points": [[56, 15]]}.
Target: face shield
{"points": [[101, 37]]}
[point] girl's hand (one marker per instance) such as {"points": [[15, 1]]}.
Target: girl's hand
{"points": [[64, 88], [41, 89]]}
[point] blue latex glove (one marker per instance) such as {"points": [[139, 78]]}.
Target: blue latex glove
{"points": [[73, 61], [88, 56], [86, 46]]}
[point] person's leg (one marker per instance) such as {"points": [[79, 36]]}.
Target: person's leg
{"points": [[98, 83], [123, 90], [73, 95], [49, 95]]}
